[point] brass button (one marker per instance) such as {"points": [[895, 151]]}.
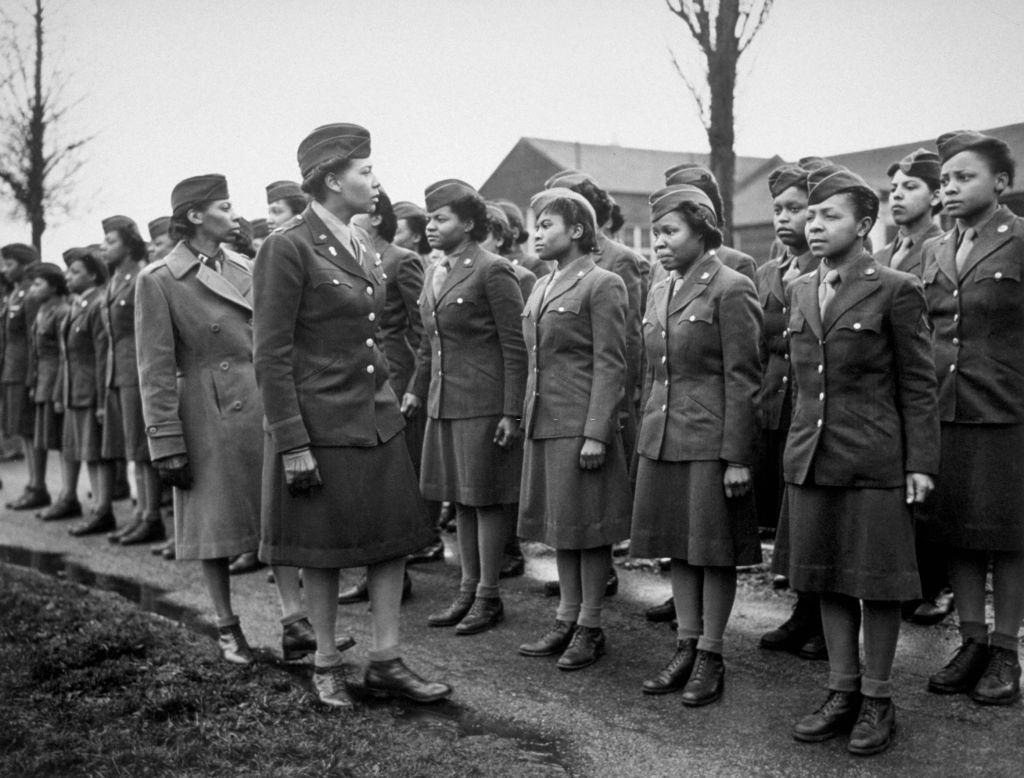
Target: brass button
{"points": [[820, 422], [369, 342], [372, 317], [856, 325], [224, 366], [369, 369], [336, 282], [369, 290], [238, 405], [214, 328], [956, 341], [952, 368]]}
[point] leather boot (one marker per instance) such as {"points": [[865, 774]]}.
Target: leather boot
{"points": [[233, 646], [484, 613], [554, 641], [133, 524], [62, 509], [814, 649], [97, 524], [148, 531], [454, 613], [512, 566], [837, 714], [432, 553], [243, 563], [962, 672], [707, 681], [875, 727], [664, 612], [31, 498], [298, 640], [393, 679], [585, 648], [1000, 683], [793, 633], [331, 685], [934, 610], [676, 673]]}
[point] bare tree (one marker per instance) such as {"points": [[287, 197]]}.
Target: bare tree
{"points": [[722, 29], [37, 163]]}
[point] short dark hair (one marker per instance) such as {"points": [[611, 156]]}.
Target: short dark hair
{"points": [[21, 253], [999, 157], [617, 219], [295, 203], [471, 207], [702, 223], [597, 197], [315, 181], [93, 266], [180, 228], [515, 218], [571, 213], [710, 187], [137, 247], [52, 274], [865, 203], [385, 211], [418, 224], [503, 235]]}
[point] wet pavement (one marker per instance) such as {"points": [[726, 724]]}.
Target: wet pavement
{"points": [[591, 722]]}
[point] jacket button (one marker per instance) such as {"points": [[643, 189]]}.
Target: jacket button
{"points": [[785, 357], [956, 317], [224, 365], [664, 408], [561, 308], [152, 430], [821, 397], [123, 302], [336, 282], [459, 301], [693, 318], [372, 317], [369, 290], [820, 422], [952, 368], [956, 292], [666, 382], [369, 342], [821, 368], [785, 310], [237, 405], [534, 348], [956, 341], [369, 368], [214, 328], [997, 275], [785, 333], [664, 359], [440, 372], [856, 325]]}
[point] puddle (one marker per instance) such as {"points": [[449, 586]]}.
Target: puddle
{"points": [[447, 717]]}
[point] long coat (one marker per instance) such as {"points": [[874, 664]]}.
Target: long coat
{"points": [[44, 378], [199, 395], [401, 328], [913, 263], [771, 292], [20, 312], [978, 317], [704, 369], [474, 342], [864, 399], [119, 319], [84, 345], [323, 376], [574, 337]]}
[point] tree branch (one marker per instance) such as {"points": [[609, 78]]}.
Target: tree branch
{"points": [[745, 38], [698, 97]]}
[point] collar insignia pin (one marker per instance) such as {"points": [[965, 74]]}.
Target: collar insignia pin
{"points": [[331, 249]]}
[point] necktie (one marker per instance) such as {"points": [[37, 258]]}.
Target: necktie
{"points": [[966, 244], [791, 272], [901, 253], [440, 274], [827, 290], [210, 262]]}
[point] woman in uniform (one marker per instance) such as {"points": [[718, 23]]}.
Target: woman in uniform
{"points": [[861, 448], [698, 436], [500, 240], [974, 283], [472, 454], [84, 347], [339, 489], [575, 490], [517, 252], [285, 199], [411, 229], [124, 435]]}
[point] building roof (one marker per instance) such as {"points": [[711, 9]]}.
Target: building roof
{"points": [[625, 169]]}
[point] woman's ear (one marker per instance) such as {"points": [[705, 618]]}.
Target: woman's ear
{"points": [[577, 232], [194, 216], [864, 226]]}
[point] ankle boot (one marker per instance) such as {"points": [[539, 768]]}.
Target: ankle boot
{"points": [[586, 646], [552, 642], [454, 613], [875, 727], [486, 612], [677, 672], [963, 671], [837, 714], [233, 646], [707, 681], [1000, 683]]}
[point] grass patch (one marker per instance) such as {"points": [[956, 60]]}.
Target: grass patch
{"points": [[91, 686]]}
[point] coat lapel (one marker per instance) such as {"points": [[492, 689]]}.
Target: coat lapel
{"points": [[945, 255], [181, 260], [657, 304], [329, 247], [573, 274], [805, 293], [859, 281], [992, 236], [695, 284], [462, 267]]}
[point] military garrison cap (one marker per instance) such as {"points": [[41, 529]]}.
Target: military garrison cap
{"points": [[329, 141], [198, 189]]}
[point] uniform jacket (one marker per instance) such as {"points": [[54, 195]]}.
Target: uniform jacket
{"points": [[703, 370], [914, 261], [322, 374], [119, 319], [534, 264], [19, 313], [198, 386], [474, 342], [775, 344], [625, 263], [45, 343], [864, 410], [84, 346], [525, 279], [979, 323], [576, 344], [730, 257], [400, 325]]}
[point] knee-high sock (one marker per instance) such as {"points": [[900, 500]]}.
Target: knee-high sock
{"points": [[570, 584], [492, 534], [967, 571], [321, 586], [688, 595], [1008, 597], [881, 633], [595, 564], [384, 586], [469, 549], [840, 620], [716, 604]]}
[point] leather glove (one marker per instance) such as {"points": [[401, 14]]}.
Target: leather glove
{"points": [[175, 471], [300, 472]]}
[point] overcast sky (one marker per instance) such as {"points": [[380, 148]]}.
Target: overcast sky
{"points": [[181, 87]]}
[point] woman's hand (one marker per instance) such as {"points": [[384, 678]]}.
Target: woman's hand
{"points": [[737, 480], [507, 431], [919, 486], [101, 416], [58, 408], [174, 471], [592, 454], [410, 405], [300, 472]]}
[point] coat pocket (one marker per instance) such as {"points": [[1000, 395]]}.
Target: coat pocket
{"points": [[1003, 269], [321, 280], [862, 322]]}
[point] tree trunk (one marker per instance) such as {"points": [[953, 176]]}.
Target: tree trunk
{"points": [[722, 82], [37, 133]]}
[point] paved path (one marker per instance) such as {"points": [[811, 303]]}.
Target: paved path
{"points": [[602, 723]]}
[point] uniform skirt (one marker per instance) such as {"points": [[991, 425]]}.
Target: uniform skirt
{"points": [[124, 431], [462, 464], [845, 540], [979, 495], [369, 509], [82, 435], [48, 434], [567, 507], [18, 411], [681, 511]]}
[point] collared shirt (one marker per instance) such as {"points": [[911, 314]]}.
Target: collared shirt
{"points": [[978, 228], [341, 231]]}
